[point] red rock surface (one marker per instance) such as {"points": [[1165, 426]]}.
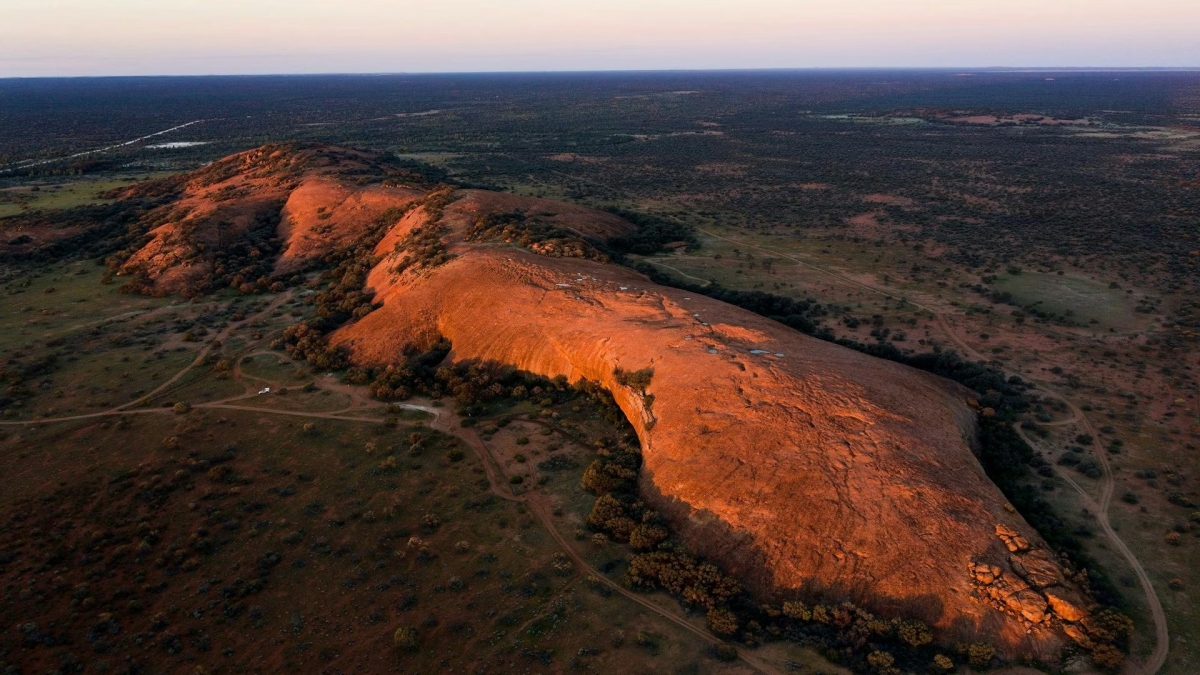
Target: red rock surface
{"points": [[218, 205], [806, 469], [324, 214]]}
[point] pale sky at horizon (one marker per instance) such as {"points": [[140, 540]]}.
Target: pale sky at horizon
{"points": [[194, 37]]}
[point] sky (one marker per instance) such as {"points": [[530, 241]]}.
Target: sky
{"points": [[196, 37]]}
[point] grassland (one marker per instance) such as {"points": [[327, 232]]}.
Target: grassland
{"points": [[239, 532], [59, 195], [851, 189], [1090, 302], [1126, 371]]}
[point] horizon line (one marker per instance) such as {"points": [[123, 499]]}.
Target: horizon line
{"points": [[949, 69]]}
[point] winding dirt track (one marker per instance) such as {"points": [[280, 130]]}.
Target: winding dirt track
{"points": [[680, 272], [1100, 508], [536, 503], [442, 421], [221, 337]]}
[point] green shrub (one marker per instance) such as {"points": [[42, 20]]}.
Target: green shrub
{"points": [[914, 633], [722, 622], [883, 663], [406, 638], [637, 380], [980, 654]]}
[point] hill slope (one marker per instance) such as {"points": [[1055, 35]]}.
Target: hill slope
{"points": [[806, 469]]}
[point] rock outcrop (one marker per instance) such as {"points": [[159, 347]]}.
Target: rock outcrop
{"points": [[274, 205], [806, 469]]}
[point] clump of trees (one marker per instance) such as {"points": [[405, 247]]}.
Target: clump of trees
{"points": [[802, 315], [637, 379], [305, 343], [652, 235], [423, 248], [533, 234], [620, 514], [99, 230], [344, 298], [246, 262], [614, 472], [699, 584]]}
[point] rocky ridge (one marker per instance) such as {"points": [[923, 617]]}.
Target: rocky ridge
{"points": [[806, 469]]}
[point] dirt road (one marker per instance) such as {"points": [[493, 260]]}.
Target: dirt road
{"points": [[536, 503], [442, 421]]}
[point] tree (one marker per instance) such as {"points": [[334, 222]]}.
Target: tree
{"points": [[722, 622], [406, 638], [646, 537]]}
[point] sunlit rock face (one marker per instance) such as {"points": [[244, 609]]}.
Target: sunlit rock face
{"points": [[808, 470]]}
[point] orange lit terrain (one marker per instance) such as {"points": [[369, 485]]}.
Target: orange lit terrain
{"points": [[404, 424]]}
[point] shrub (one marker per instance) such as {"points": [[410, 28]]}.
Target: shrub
{"points": [[882, 663], [695, 583], [615, 472], [535, 235], [942, 664], [406, 638], [722, 622], [605, 509], [562, 565], [647, 640], [1089, 468], [645, 537], [980, 654], [637, 380], [597, 479], [1111, 627], [1107, 657], [914, 633], [797, 610]]}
